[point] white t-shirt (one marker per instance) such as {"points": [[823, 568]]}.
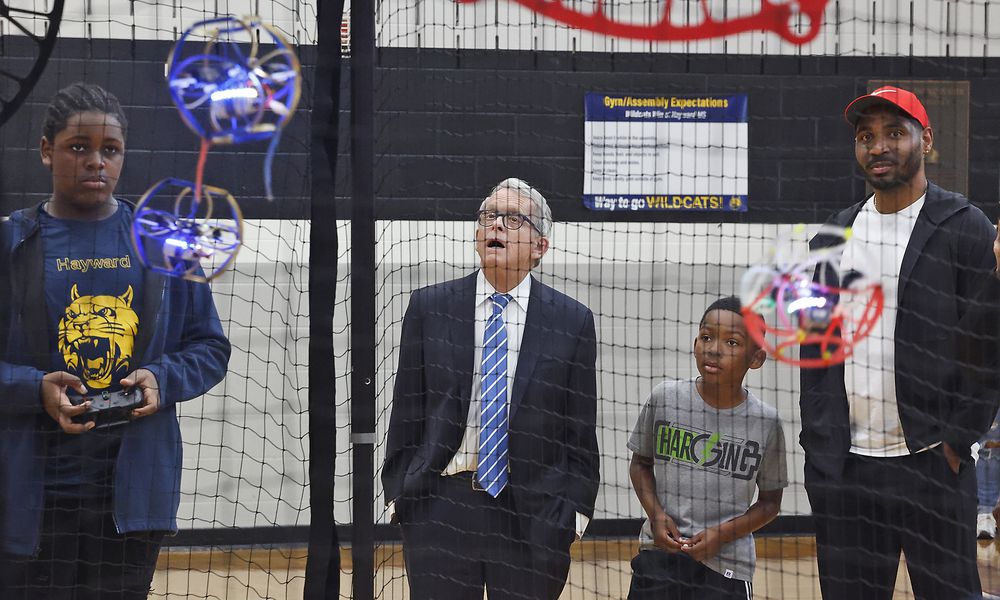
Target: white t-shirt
{"points": [[876, 249]]}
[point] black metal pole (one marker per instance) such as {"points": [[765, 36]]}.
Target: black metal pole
{"points": [[323, 562], [363, 296]]}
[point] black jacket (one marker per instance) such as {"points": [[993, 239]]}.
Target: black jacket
{"points": [[946, 338]]}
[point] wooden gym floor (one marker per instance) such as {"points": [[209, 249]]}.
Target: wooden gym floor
{"points": [[786, 570]]}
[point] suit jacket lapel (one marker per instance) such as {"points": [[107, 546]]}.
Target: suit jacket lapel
{"points": [[462, 334], [538, 319]]}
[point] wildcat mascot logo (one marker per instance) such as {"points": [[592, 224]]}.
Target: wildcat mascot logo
{"points": [[97, 337]]}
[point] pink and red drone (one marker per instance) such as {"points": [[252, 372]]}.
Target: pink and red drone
{"points": [[809, 302]]}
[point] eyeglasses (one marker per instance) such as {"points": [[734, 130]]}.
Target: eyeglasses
{"points": [[511, 221]]}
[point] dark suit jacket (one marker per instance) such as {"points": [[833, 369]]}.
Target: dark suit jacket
{"points": [[947, 377], [554, 461]]}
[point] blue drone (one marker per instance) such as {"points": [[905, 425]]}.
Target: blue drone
{"points": [[230, 87]]}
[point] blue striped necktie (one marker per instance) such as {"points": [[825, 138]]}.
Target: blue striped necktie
{"points": [[492, 470]]}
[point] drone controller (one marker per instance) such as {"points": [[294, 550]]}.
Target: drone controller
{"points": [[108, 408]]}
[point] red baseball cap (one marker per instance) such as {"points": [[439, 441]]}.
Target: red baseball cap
{"points": [[904, 100]]}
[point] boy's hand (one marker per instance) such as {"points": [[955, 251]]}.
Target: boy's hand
{"points": [[146, 382], [704, 545], [57, 404], [666, 536]]}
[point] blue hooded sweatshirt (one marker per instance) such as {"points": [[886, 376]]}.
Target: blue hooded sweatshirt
{"points": [[184, 347]]}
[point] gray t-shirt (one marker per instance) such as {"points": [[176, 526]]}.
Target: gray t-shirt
{"points": [[707, 464]]}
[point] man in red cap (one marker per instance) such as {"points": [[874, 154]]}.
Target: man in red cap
{"points": [[887, 434]]}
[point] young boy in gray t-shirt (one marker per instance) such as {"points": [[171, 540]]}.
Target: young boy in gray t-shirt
{"points": [[701, 448]]}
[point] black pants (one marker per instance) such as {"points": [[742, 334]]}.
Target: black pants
{"points": [[659, 575], [456, 541], [881, 506], [83, 557]]}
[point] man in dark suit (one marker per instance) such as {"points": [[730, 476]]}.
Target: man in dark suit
{"points": [[491, 465], [887, 434]]}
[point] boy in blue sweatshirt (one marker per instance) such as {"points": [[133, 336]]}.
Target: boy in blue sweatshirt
{"points": [[83, 509]]}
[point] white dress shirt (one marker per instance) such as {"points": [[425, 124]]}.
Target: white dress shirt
{"points": [[467, 456]]}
